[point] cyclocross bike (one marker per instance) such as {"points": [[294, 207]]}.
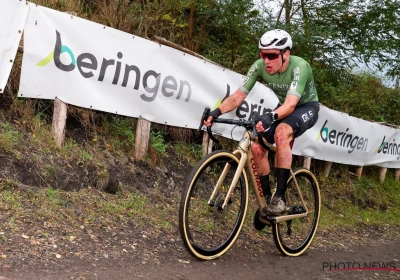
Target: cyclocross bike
{"points": [[215, 199]]}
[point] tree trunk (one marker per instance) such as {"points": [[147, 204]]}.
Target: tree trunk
{"points": [[288, 9], [191, 27]]}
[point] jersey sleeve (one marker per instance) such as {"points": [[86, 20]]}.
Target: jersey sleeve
{"points": [[300, 76], [252, 76]]}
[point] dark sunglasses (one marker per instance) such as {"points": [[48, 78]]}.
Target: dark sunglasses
{"points": [[270, 56]]}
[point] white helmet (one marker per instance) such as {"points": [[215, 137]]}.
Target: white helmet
{"points": [[275, 39]]}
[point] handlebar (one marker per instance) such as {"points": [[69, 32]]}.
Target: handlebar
{"points": [[250, 125]]}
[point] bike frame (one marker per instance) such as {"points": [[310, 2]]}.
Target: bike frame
{"points": [[245, 155]]}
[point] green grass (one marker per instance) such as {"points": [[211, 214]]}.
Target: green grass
{"points": [[366, 201], [10, 201], [88, 207], [157, 142], [118, 132], [9, 137], [191, 152]]}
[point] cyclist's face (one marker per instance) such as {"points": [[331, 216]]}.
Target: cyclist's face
{"points": [[272, 60]]}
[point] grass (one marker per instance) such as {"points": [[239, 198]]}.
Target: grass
{"points": [[93, 208], [118, 132], [348, 202], [57, 206], [9, 137], [191, 152], [88, 207], [157, 142]]}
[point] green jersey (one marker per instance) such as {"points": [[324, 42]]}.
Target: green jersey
{"points": [[297, 80]]}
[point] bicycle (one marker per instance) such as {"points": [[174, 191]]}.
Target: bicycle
{"points": [[215, 198]]}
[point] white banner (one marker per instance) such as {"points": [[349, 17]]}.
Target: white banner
{"points": [[338, 137], [12, 19], [93, 66], [89, 65]]}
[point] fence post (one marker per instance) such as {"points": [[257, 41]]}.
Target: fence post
{"points": [[359, 172], [207, 144], [397, 175], [382, 174], [307, 162], [142, 138], [327, 168], [59, 122]]}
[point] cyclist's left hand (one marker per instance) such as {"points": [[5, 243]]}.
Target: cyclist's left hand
{"points": [[212, 116], [265, 122]]}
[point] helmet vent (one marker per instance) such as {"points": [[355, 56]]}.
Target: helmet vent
{"points": [[282, 42], [266, 45]]}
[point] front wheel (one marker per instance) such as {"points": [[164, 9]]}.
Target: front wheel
{"points": [[207, 229], [293, 237]]}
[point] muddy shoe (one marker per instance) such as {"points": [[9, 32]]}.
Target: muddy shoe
{"points": [[276, 208]]}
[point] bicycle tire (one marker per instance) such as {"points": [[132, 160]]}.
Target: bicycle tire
{"points": [[294, 241], [207, 231]]}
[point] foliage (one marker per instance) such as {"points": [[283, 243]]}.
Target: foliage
{"points": [[157, 141], [345, 33], [355, 201], [365, 98], [9, 137], [234, 28], [192, 152], [119, 131]]}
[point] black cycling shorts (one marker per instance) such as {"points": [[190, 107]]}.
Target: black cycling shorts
{"points": [[302, 118]]}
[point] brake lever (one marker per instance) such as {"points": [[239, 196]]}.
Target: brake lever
{"points": [[255, 117], [204, 117]]}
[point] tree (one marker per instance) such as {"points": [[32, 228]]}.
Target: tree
{"points": [[345, 33]]}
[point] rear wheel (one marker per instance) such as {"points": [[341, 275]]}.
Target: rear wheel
{"points": [[293, 237], [207, 229]]}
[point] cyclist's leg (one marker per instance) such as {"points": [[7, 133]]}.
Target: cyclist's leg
{"points": [[283, 161], [283, 137], [301, 119], [260, 157]]}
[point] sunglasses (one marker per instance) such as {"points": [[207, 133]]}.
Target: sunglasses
{"points": [[270, 56]]}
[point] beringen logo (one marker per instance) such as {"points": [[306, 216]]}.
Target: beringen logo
{"points": [[387, 148], [87, 65], [61, 50], [343, 139]]}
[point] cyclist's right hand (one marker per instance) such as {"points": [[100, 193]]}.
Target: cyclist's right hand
{"points": [[213, 115]]}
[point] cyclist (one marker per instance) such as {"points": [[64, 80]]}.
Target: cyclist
{"points": [[291, 79]]}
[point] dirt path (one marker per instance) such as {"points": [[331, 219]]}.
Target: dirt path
{"points": [[157, 259]]}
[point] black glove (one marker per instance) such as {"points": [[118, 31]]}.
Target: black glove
{"points": [[215, 113], [268, 119]]}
